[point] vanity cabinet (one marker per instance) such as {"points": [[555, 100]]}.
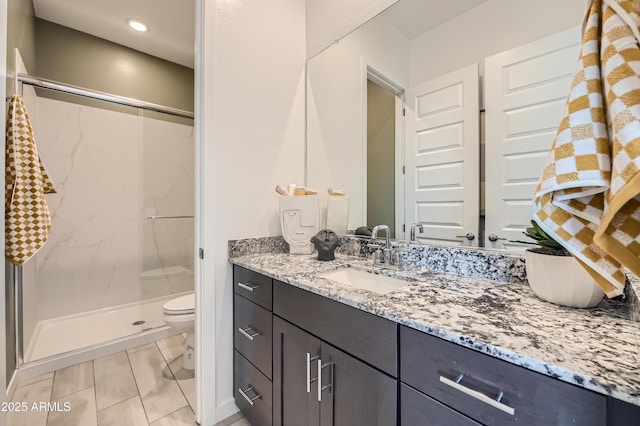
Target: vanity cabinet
{"points": [[301, 359], [317, 384], [252, 342], [491, 391]]}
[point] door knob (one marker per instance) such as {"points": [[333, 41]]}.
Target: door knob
{"points": [[494, 237], [469, 236]]}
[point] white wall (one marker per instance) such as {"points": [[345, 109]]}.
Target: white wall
{"points": [[336, 92], [330, 20], [492, 27], [253, 136]]}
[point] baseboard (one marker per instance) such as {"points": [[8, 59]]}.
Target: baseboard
{"points": [[227, 409]]}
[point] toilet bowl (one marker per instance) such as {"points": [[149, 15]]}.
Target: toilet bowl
{"points": [[179, 314]]}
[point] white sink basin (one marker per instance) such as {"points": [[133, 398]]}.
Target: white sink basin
{"points": [[380, 284]]}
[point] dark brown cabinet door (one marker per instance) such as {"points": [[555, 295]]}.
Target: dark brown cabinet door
{"points": [[355, 394], [620, 413], [295, 355], [469, 382], [417, 409], [252, 392], [252, 333]]}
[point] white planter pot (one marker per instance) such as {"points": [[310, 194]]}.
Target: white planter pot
{"points": [[561, 280]]}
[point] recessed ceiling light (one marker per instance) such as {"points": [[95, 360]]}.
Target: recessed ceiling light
{"points": [[137, 25]]}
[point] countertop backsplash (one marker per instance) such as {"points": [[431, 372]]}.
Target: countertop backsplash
{"points": [[467, 262], [475, 263], [257, 246]]}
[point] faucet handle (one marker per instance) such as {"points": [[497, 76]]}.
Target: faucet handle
{"points": [[396, 255], [378, 254], [374, 245]]}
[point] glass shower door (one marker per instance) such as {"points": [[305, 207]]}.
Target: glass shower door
{"points": [[121, 243], [167, 206], [81, 288]]}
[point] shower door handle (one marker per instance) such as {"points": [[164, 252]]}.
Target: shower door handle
{"points": [[169, 217]]}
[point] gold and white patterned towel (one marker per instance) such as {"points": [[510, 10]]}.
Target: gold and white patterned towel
{"points": [[588, 195], [27, 217]]}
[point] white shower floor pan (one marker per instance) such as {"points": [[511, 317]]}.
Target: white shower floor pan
{"points": [[70, 333]]}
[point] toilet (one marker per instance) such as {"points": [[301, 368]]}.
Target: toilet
{"points": [[179, 314]]}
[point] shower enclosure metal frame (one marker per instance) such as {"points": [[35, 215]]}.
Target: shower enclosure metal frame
{"points": [[92, 94]]}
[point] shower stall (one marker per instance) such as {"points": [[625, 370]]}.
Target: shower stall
{"points": [[122, 237]]}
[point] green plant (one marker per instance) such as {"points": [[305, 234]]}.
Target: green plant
{"points": [[542, 239]]}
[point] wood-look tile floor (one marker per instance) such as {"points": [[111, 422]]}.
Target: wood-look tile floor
{"points": [[143, 386]]}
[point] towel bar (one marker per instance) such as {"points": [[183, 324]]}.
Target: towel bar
{"points": [[169, 217]]}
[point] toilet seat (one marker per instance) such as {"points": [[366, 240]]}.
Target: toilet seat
{"points": [[179, 314], [177, 319], [180, 306]]}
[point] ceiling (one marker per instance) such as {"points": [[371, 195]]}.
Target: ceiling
{"points": [[415, 17], [171, 23]]}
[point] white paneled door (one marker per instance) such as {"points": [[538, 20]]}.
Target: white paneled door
{"points": [[525, 94], [442, 158]]}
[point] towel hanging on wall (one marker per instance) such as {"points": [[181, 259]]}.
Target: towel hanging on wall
{"points": [[588, 194], [27, 217]]}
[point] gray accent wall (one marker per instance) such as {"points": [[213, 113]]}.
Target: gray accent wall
{"points": [[21, 34], [80, 59], [381, 191]]}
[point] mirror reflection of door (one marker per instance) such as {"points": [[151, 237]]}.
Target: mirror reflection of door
{"points": [[381, 157], [526, 89], [442, 158]]}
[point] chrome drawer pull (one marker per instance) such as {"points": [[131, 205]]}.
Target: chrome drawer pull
{"points": [[244, 331], [320, 387], [309, 379], [245, 396], [478, 395], [248, 286]]}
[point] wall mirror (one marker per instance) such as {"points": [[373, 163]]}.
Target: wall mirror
{"points": [[368, 93]]}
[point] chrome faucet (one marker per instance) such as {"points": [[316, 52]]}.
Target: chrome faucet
{"points": [[383, 255], [387, 233], [412, 237]]}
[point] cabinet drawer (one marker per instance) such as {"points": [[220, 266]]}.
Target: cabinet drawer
{"points": [[252, 326], [417, 409], [433, 365], [358, 333], [252, 392], [253, 286]]}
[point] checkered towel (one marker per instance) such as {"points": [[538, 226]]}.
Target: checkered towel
{"points": [[27, 217], [588, 195]]}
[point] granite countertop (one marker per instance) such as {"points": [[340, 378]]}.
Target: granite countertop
{"points": [[596, 348]]}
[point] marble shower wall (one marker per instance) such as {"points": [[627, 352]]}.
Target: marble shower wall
{"points": [[94, 157]]}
